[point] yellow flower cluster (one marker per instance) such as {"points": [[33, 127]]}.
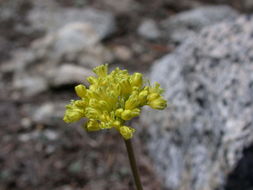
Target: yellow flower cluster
{"points": [[112, 99]]}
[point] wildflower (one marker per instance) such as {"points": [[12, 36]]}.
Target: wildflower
{"points": [[112, 99]]}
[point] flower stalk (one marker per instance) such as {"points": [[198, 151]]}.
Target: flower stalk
{"points": [[133, 165]]}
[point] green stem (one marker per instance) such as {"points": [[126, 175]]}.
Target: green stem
{"points": [[133, 164]]}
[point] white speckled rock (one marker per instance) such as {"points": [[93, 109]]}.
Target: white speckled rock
{"points": [[200, 137]]}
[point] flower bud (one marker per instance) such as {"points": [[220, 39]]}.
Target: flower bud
{"points": [[92, 125], [93, 103], [143, 94], [118, 112], [126, 115], [135, 112], [143, 97], [153, 96], [92, 80], [80, 104], [132, 102], [104, 104], [101, 70], [126, 132], [136, 79], [105, 125], [92, 113], [116, 124], [129, 114], [159, 104], [80, 90], [72, 114], [105, 117], [125, 86]]}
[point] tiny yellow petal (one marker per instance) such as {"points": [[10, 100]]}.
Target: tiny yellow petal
{"points": [[153, 96], [135, 112], [143, 97], [92, 113], [92, 80], [92, 125], [101, 70], [126, 132], [80, 90], [125, 86], [136, 79], [72, 114], [119, 112], [132, 101], [126, 115], [159, 104], [116, 124], [129, 114], [156, 88]]}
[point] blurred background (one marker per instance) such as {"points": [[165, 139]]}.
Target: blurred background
{"points": [[199, 50]]}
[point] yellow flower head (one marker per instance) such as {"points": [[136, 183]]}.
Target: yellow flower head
{"points": [[112, 99]]}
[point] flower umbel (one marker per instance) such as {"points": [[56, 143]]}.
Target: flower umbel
{"points": [[112, 99]]}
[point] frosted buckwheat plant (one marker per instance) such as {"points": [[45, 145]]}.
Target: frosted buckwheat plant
{"points": [[112, 99]]}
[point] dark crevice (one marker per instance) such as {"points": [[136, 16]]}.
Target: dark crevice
{"points": [[242, 176]]}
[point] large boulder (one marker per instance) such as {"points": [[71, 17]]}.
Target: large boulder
{"points": [[198, 140]]}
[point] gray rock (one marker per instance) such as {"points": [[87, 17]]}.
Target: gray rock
{"points": [[75, 42], [149, 30], [185, 24], [50, 135], [49, 113], [60, 58], [20, 60], [68, 74], [69, 40], [200, 137], [122, 53], [29, 85], [123, 6], [52, 17]]}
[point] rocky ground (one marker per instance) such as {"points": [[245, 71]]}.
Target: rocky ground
{"points": [[46, 47]]}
